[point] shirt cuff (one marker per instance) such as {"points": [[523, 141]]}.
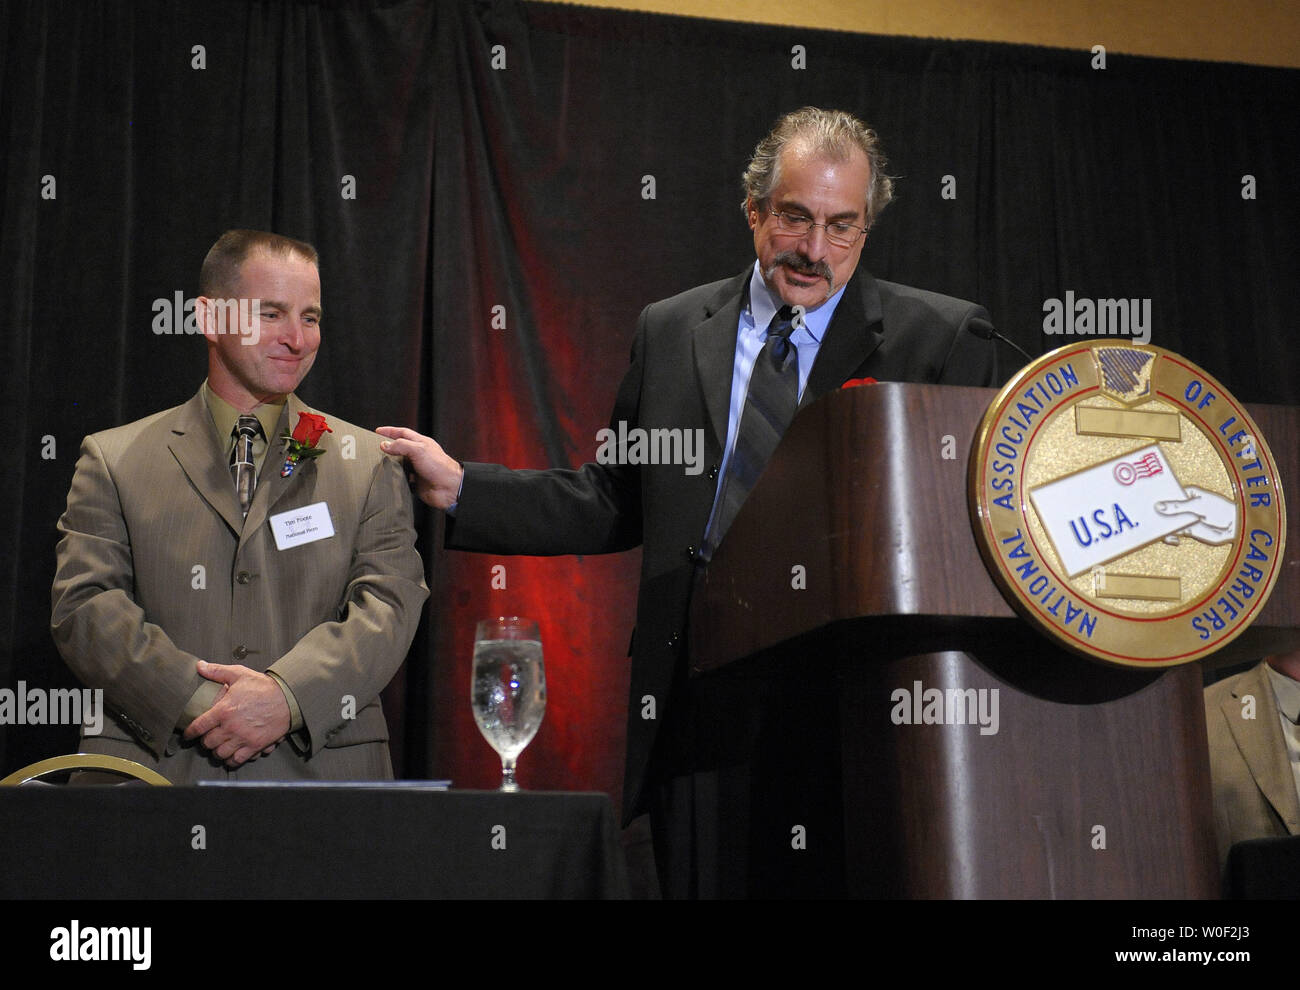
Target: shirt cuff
{"points": [[451, 509], [295, 712]]}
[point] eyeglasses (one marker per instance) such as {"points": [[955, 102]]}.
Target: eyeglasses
{"points": [[838, 232]]}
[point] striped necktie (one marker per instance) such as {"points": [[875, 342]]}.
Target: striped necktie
{"points": [[243, 468], [770, 404]]}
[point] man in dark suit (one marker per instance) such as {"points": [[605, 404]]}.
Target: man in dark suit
{"points": [[712, 359], [241, 613]]}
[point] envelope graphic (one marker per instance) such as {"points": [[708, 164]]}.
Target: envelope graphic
{"points": [[1109, 510]]}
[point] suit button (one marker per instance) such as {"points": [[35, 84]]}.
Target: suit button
{"points": [[243, 577], [673, 640], [239, 652], [690, 553], [713, 472]]}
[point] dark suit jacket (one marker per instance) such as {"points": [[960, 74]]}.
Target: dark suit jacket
{"points": [[1254, 789], [680, 378], [157, 567]]}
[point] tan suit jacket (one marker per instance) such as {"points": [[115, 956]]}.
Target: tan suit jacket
{"points": [[156, 568], [1254, 789]]}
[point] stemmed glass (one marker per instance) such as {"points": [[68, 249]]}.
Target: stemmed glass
{"points": [[508, 688]]}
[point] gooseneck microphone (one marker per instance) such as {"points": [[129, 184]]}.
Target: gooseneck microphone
{"points": [[985, 330]]}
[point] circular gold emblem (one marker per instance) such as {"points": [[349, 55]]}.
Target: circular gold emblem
{"points": [[1126, 504]]}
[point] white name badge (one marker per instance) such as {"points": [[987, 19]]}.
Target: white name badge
{"points": [[306, 524], [1112, 508]]}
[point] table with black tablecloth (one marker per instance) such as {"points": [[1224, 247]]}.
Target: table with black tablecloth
{"points": [[360, 841]]}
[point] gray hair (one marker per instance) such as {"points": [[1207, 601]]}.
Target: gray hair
{"points": [[830, 133]]}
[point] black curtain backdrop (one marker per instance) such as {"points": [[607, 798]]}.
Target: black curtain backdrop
{"points": [[527, 177]]}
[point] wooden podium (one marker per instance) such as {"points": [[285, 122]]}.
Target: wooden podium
{"points": [[853, 565]]}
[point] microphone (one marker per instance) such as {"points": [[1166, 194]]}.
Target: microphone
{"points": [[985, 330]]}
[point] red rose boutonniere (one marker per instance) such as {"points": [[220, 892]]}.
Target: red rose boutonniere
{"points": [[302, 444], [855, 382]]}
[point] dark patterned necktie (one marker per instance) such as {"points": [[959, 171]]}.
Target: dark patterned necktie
{"points": [[769, 406], [242, 466]]}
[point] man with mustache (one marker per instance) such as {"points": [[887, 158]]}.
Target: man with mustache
{"points": [[734, 358]]}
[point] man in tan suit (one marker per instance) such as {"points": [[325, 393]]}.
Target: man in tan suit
{"points": [[240, 613], [1252, 760]]}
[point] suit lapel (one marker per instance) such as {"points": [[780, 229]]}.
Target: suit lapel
{"points": [[1256, 738], [714, 342], [854, 332], [197, 450]]}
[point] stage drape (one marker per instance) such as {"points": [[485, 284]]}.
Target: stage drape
{"points": [[497, 189]]}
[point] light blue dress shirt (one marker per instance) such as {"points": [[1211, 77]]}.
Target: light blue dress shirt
{"points": [[750, 338]]}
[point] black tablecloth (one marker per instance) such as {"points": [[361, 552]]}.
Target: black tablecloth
{"points": [[305, 842]]}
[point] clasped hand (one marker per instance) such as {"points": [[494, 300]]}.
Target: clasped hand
{"points": [[248, 719]]}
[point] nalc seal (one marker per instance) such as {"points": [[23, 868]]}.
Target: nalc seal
{"points": [[1126, 504]]}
